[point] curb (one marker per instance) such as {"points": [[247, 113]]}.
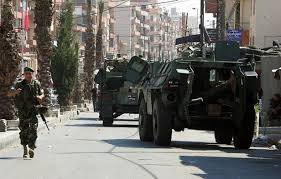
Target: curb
{"points": [[10, 137], [270, 130]]}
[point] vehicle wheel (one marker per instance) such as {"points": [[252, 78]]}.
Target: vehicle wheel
{"points": [[145, 123], [223, 136], [243, 134], [107, 121], [162, 124]]}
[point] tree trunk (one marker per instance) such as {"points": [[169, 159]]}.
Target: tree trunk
{"points": [[43, 20], [99, 44], [89, 61], [9, 61]]}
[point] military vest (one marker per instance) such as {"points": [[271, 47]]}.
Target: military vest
{"points": [[26, 100]]}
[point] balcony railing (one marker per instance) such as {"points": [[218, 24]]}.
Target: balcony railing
{"points": [[79, 28]]}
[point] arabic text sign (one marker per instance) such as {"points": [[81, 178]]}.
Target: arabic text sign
{"points": [[234, 35]]}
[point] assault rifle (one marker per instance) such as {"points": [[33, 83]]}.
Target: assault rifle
{"points": [[41, 110]]}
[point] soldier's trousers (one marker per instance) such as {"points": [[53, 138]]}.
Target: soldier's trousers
{"points": [[28, 131]]}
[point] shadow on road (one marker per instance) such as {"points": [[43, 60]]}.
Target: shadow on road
{"points": [[100, 125], [255, 167], [86, 119], [252, 163], [11, 158], [130, 143]]}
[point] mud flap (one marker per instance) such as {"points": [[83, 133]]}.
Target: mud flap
{"points": [[106, 110]]}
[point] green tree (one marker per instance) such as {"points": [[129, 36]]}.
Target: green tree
{"points": [[64, 66], [9, 61], [99, 44], [43, 18], [89, 60]]}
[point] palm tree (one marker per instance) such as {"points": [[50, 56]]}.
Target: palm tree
{"points": [[89, 60], [99, 45], [43, 19], [9, 61]]}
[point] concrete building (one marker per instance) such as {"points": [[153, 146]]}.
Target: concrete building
{"points": [[266, 22], [259, 20], [156, 33], [24, 26], [144, 29], [176, 19], [133, 28], [110, 36]]}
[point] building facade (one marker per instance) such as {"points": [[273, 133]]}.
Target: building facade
{"points": [[258, 20], [145, 29]]}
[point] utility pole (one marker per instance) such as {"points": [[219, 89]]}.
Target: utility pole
{"points": [[202, 10], [221, 34], [144, 36], [183, 24]]}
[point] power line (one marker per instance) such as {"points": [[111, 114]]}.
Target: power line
{"points": [[104, 10], [118, 6]]}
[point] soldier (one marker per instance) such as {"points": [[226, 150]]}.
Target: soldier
{"points": [[28, 93]]}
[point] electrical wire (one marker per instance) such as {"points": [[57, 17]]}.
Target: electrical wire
{"points": [[118, 6]]}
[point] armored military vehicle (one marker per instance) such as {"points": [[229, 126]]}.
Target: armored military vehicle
{"points": [[116, 95], [216, 93]]}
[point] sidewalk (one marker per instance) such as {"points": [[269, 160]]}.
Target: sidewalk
{"points": [[12, 136], [270, 136]]}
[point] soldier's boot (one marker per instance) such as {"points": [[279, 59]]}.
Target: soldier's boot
{"points": [[31, 152], [25, 151]]}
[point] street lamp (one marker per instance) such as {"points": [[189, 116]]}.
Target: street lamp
{"points": [[197, 24]]}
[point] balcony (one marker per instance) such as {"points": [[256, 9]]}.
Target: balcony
{"points": [[144, 13], [136, 21], [79, 28], [136, 33], [154, 22], [144, 37], [112, 20], [155, 43], [137, 46], [147, 26], [111, 50], [155, 32], [154, 11], [138, 8], [111, 35]]}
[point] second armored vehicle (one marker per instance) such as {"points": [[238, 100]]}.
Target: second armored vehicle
{"points": [[116, 95]]}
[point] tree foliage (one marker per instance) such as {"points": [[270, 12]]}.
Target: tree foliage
{"points": [[65, 60], [9, 61], [89, 61], [99, 42]]}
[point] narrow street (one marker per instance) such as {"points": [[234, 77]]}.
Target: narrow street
{"points": [[83, 149]]}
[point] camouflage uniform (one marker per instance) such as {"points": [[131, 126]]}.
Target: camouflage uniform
{"points": [[25, 103]]}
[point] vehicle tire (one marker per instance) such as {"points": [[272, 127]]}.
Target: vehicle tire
{"points": [[243, 134], [223, 136], [107, 121], [162, 124], [145, 123]]}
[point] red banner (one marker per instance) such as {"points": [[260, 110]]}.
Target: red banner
{"points": [[211, 6]]}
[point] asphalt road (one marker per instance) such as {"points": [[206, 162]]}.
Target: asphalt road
{"points": [[83, 149]]}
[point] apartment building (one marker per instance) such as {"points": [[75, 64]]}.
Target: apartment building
{"points": [[132, 28], [24, 26], [110, 36], [144, 29]]}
